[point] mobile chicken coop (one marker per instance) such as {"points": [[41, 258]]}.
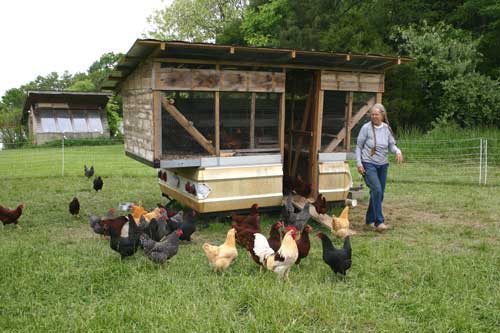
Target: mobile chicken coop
{"points": [[227, 124]]}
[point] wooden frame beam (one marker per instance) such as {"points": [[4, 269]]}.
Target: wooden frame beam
{"points": [[252, 120], [317, 126], [342, 134], [168, 105], [348, 115]]}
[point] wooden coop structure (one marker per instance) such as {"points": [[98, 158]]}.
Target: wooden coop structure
{"points": [[76, 115], [227, 124]]}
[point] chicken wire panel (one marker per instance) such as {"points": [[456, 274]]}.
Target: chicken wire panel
{"points": [[197, 107], [359, 100], [334, 107], [234, 116], [267, 107]]}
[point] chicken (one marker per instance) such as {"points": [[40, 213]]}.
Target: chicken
{"points": [[339, 260], [8, 216], [302, 188], [274, 239], [154, 214], [230, 141], [244, 234], [98, 183], [340, 225], [126, 246], [304, 244], [160, 252], [298, 220], [95, 221], [220, 257], [320, 204], [74, 207], [188, 225], [281, 261], [115, 223], [88, 172], [287, 209], [156, 229], [137, 212], [250, 221]]}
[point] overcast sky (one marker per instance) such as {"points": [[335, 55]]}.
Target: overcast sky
{"points": [[42, 36]]}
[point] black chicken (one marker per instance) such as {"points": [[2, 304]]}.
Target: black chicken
{"points": [[88, 172], [339, 260], [98, 183], [188, 225], [126, 246], [74, 207], [159, 252]]}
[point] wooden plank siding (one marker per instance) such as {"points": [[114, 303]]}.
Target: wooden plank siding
{"points": [[218, 80], [343, 81]]}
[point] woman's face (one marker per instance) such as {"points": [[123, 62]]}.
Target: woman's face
{"points": [[376, 117]]}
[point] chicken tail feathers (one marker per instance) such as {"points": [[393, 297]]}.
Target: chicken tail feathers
{"points": [[261, 247]]}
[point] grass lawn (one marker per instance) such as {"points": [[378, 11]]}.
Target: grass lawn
{"points": [[437, 270]]}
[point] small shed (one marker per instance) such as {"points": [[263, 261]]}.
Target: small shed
{"points": [[77, 115], [229, 125]]}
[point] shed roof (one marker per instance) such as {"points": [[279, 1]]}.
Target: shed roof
{"points": [[246, 55], [71, 97]]}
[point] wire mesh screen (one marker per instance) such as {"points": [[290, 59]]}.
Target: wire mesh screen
{"points": [[197, 107], [235, 120], [333, 116], [360, 100], [267, 120]]}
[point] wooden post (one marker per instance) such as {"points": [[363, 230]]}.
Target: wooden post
{"points": [[217, 118], [379, 98], [348, 115], [316, 129], [157, 126], [252, 121], [282, 126]]}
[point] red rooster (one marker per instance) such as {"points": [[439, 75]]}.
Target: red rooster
{"points": [[250, 221], [10, 216]]}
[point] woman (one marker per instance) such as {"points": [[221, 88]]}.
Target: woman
{"points": [[374, 142]]}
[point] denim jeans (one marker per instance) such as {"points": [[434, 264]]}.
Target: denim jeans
{"points": [[375, 178]]}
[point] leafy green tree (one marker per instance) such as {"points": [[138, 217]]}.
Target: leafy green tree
{"points": [[100, 69], [194, 20]]}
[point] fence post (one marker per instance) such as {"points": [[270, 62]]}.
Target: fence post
{"points": [[480, 160], [62, 142], [485, 160]]}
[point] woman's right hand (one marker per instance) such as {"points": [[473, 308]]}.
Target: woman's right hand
{"points": [[361, 170]]}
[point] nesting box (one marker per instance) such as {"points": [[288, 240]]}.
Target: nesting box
{"points": [[227, 125]]}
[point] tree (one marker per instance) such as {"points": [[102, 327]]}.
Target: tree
{"points": [[194, 20]]}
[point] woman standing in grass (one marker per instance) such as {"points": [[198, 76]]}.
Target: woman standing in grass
{"points": [[374, 142]]}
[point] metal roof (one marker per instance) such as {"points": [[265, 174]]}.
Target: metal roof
{"points": [[246, 56], [72, 97]]}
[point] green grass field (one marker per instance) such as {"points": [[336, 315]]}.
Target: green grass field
{"points": [[437, 270]]}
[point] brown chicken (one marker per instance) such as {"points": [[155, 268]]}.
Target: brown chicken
{"points": [[137, 212], [274, 239], [340, 225], [115, 223], [302, 188], [230, 141], [250, 221], [304, 243], [320, 204], [11, 216], [244, 234], [220, 257]]}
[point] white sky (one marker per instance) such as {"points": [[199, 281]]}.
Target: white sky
{"points": [[42, 36]]}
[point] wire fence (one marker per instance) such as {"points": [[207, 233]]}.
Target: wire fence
{"points": [[474, 161]]}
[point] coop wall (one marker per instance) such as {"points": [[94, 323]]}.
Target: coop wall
{"points": [[138, 123]]}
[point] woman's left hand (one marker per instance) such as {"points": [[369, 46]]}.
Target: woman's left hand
{"points": [[399, 158]]}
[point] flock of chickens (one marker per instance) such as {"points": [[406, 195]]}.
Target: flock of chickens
{"points": [[159, 232]]}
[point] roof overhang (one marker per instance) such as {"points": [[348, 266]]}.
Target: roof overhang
{"points": [[69, 97], [246, 56]]}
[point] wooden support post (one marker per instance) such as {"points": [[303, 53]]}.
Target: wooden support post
{"points": [[379, 98], [252, 121], [157, 126], [282, 126], [217, 123], [316, 129], [357, 117], [187, 125], [303, 126], [348, 115]]}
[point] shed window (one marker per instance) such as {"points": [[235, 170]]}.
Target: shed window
{"points": [[48, 121], [94, 120], [79, 121], [64, 122]]}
